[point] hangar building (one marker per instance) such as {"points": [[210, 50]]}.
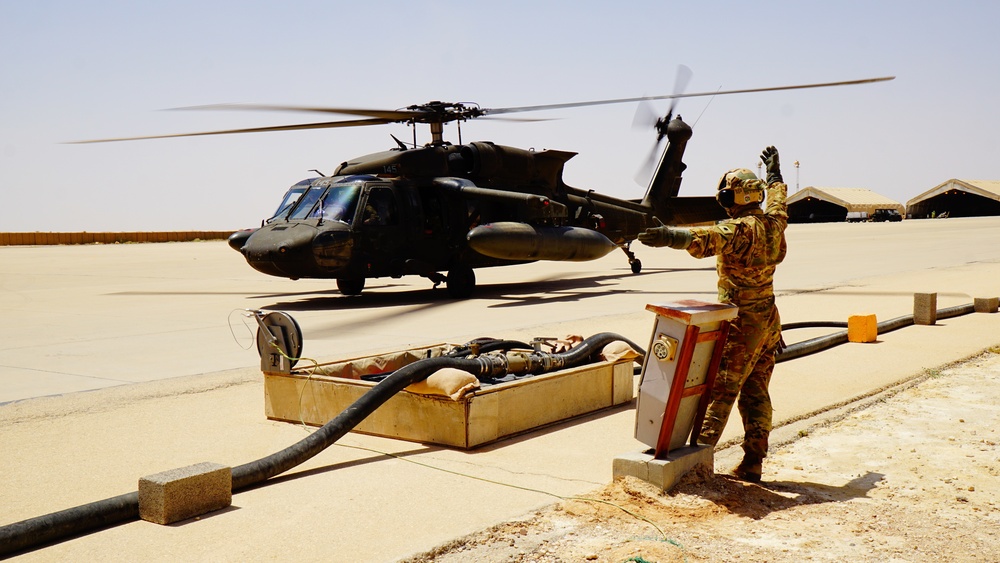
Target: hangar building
{"points": [[957, 198], [825, 205]]}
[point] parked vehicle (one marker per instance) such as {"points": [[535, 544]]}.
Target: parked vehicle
{"points": [[890, 215]]}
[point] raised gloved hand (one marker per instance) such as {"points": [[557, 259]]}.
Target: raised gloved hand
{"points": [[770, 159], [665, 236]]}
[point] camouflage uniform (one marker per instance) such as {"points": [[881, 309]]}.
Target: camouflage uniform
{"points": [[748, 247]]}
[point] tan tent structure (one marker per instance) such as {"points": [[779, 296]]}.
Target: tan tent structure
{"points": [[816, 205], [957, 198]]}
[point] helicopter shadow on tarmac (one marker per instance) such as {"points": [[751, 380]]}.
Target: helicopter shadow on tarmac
{"points": [[513, 294], [390, 305]]}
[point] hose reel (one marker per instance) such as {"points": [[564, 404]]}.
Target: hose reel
{"points": [[279, 341]]}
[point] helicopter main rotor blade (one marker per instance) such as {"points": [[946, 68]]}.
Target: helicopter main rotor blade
{"points": [[298, 127], [401, 115], [489, 111], [439, 112], [391, 115]]}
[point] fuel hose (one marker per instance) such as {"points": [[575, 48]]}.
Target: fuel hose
{"points": [[50, 528], [821, 343]]}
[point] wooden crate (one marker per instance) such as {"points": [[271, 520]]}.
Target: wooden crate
{"points": [[489, 414]]}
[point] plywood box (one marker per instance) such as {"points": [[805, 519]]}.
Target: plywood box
{"points": [[489, 414]]}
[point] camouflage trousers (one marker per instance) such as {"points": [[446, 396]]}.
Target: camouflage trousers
{"points": [[745, 372]]}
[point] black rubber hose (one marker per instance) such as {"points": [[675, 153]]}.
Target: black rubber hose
{"points": [[42, 530], [813, 324], [821, 343], [594, 344], [124, 508], [255, 472], [252, 473], [49, 528]]}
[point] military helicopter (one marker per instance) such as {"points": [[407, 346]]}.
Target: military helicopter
{"points": [[442, 210]]}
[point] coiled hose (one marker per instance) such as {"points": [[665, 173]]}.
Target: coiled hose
{"points": [[50, 528]]}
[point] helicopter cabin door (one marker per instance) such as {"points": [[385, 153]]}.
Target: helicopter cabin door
{"points": [[382, 241]]}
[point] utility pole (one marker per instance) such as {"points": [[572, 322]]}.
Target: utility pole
{"points": [[796, 175]]}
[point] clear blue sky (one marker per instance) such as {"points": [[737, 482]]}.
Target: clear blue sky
{"points": [[74, 70]]}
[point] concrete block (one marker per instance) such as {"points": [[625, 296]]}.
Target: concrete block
{"points": [[186, 492], [862, 328], [664, 473], [924, 308], [986, 304]]}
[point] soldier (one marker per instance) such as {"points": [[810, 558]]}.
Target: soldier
{"points": [[748, 245]]}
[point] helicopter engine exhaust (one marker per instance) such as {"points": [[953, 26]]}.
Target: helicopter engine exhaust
{"points": [[509, 240]]}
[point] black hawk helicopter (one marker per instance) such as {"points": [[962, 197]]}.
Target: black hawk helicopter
{"points": [[452, 208]]}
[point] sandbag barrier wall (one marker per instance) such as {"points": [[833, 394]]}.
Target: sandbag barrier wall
{"points": [[31, 239]]}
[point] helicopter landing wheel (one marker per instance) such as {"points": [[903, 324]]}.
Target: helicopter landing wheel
{"points": [[350, 286], [636, 266], [461, 281]]}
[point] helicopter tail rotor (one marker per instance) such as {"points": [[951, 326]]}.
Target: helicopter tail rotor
{"points": [[646, 116]]}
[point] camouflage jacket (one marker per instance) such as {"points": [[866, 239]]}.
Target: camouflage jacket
{"points": [[749, 247]]}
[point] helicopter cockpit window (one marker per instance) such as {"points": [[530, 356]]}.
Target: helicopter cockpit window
{"points": [[380, 209], [338, 203], [307, 201], [291, 196]]}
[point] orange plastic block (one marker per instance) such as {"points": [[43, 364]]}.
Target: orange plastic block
{"points": [[862, 328]]}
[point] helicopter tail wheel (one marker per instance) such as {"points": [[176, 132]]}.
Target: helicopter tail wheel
{"points": [[351, 286], [634, 262], [461, 282]]}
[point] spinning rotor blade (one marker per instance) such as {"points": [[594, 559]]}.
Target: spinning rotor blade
{"points": [[642, 177], [301, 126], [417, 113], [391, 115], [437, 112], [645, 115], [487, 111], [680, 83]]}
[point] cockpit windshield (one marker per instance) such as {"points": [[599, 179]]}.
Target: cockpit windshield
{"points": [[291, 196], [336, 203]]}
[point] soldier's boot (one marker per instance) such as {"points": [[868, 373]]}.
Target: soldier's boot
{"points": [[749, 469]]}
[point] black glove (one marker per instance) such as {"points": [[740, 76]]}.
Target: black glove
{"points": [[770, 158], [665, 236]]}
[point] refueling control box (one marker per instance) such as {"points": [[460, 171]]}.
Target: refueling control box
{"points": [[685, 350]]}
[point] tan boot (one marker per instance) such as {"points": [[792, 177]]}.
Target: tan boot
{"points": [[749, 470]]}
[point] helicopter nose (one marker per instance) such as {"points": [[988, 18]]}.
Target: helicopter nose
{"points": [[281, 250], [239, 238]]}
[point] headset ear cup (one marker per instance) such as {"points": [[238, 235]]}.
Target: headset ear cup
{"points": [[726, 198]]}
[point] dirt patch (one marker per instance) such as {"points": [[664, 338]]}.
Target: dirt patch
{"points": [[911, 477]]}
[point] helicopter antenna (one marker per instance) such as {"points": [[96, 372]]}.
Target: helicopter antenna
{"points": [[402, 146], [705, 108], [317, 171]]}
